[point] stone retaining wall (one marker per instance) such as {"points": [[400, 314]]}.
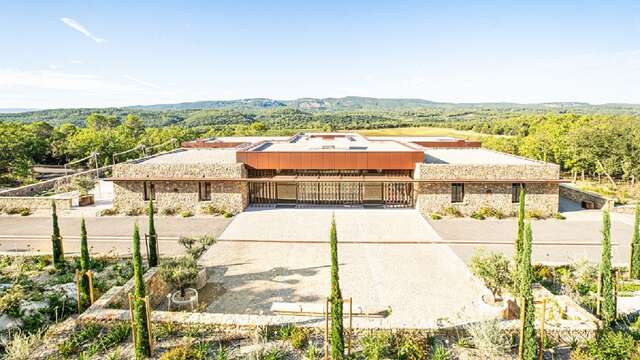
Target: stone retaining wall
{"points": [[574, 194], [142, 170], [31, 189], [34, 202]]}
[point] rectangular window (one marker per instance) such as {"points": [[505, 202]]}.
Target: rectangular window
{"points": [[516, 188], [149, 191], [204, 191], [457, 193]]}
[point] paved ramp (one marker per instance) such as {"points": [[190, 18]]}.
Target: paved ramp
{"points": [[312, 225]]}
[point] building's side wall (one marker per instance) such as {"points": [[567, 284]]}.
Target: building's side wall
{"points": [[572, 193], [436, 196], [229, 195]]}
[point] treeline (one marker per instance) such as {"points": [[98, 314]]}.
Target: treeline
{"points": [[593, 144]]}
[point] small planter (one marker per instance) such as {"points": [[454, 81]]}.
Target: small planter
{"points": [[201, 280], [86, 200], [188, 302]]}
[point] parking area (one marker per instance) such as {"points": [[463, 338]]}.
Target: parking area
{"points": [[415, 281], [554, 241]]}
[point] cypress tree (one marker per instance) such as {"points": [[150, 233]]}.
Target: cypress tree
{"points": [[56, 240], [85, 263], [634, 265], [529, 343], [520, 239], [337, 327], [153, 241], [142, 345], [608, 307]]}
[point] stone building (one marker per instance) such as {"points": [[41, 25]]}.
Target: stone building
{"points": [[336, 169]]}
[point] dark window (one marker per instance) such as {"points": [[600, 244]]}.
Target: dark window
{"points": [[457, 193], [515, 192], [149, 191], [204, 191]]}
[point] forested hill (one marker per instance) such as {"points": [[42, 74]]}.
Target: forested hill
{"points": [[226, 111]]}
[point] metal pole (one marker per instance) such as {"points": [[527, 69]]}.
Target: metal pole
{"points": [[90, 276], [148, 308], [78, 291]]}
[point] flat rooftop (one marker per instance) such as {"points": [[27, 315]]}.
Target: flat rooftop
{"points": [[195, 156], [473, 156], [331, 142]]}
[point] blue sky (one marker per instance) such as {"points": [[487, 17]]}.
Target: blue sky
{"points": [[107, 53]]}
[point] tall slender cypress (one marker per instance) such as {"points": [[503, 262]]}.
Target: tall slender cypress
{"points": [[56, 240], [521, 237], [142, 345], [634, 265], [337, 327], [85, 264], [608, 307], [529, 343], [153, 241]]}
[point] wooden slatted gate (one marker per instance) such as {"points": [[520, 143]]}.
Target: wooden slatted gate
{"points": [[392, 194]]}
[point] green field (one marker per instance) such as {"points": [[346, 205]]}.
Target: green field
{"points": [[422, 131]]}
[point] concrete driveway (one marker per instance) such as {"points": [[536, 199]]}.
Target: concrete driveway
{"points": [[32, 234], [554, 241], [312, 225]]}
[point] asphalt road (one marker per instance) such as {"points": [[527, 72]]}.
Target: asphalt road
{"points": [[105, 234]]}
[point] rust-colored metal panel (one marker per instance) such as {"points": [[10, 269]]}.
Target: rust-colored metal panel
{"points": [[361, 160], [329, 160], [342, 161], [375, 160], [318, 160]]}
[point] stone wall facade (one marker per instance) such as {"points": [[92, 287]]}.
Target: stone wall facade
{"points": [[436, 196], [227, 195]]}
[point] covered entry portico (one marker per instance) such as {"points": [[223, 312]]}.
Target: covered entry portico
{"points": [[350, 191]]}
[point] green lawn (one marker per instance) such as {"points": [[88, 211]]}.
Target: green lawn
{"points": [[422, 131]]}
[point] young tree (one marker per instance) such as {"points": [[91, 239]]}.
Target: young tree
{"points": [[85, 263], [337, 327], [634, 264], [608, 307], [529, 339], [153, 241], [493, 270], [56, 240], [142, 345], [520, 239]]}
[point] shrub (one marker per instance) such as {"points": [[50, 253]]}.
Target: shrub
{"points": [[186, 213], [228, 215], [493, 269], [10, 300], [377, 346], [168, 211], [185, 352], [18, 211], [478, 216], [196, 247], [73, 343], [108, 212], [534, 214], [116, 335], [22, 346], [440, 353], [153, 237], [559, 216], [265, 333], [312, 352], [411, 346], [612, 345], [135, 212], [209, 209], [181, 271], [451, 211], [436, 216], [83, 184], [298, 338], [489, 339]]}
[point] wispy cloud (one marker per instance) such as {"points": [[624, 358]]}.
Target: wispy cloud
{"points": [[80, 28], [142, 82]]}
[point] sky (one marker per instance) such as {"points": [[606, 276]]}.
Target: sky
{"points": [[114, 53]]}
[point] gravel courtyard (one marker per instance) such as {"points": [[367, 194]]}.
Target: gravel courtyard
{"points": [[416, 281], [386, 261]]}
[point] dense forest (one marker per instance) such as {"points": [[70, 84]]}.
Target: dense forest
{"points": [[579, 137]]}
